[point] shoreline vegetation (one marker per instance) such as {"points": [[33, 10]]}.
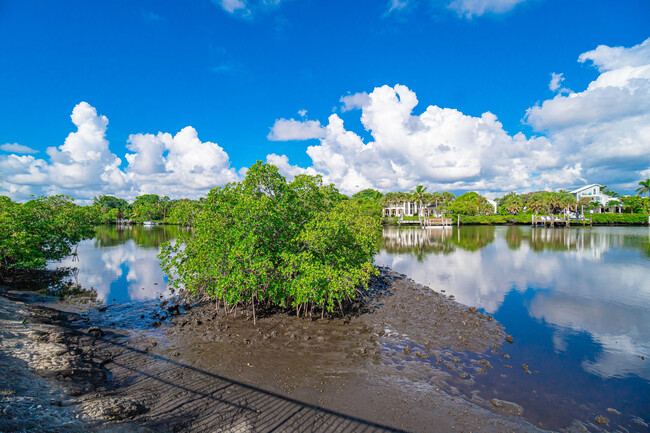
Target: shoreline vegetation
{"points": [[602, 219]]}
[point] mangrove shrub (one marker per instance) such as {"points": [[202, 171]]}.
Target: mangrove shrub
{"points": [[263, 240], [41, 229]]}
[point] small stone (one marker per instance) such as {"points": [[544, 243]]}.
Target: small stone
{"points": [[507, 407], [96, 332], [613, 411], [101, 309], [485, 363], [509, 339], [306, 337], [525, 368], [463, 375], [407, 350], [601, 420]]}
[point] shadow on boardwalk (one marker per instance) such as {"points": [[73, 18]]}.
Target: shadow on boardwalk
{"points": [[181, 397]]}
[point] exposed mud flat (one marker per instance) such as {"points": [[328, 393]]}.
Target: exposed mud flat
{"points": [[50, 369], [222, 373], [203, 371]]}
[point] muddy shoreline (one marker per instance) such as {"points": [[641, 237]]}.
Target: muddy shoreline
{"points": [[199, 370]]}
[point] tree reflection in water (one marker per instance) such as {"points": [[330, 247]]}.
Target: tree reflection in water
{"points": [[577, 301]]}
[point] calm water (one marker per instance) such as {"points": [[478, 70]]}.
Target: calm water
{"points": [[577, 302]]}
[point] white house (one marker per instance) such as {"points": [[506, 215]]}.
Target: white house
{"points": [[410, 208], [594, 193], [407, 208]]}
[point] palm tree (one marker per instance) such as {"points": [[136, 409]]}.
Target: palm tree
{"points": [[418, 194], [512, 203], [644, 187]]}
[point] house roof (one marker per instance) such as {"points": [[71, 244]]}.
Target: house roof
{"points": [[582, 188]]}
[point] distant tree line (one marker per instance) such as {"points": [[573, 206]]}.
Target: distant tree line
{"points": [[147, 207], [512, 203]]}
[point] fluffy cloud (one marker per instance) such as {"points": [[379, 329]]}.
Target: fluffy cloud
{"points": [[441, 148], [601, 134], [83, 166], [607, 126], [286, 130], [182, 164], [471, 8], [84, 159], [17, 148], [354, 101], [288, 170], [556, 82]]}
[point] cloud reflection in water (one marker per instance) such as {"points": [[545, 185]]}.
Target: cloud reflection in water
{"points": [[594, 281]]}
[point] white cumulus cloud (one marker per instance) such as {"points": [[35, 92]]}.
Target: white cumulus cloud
{"points": [[599, 135], [606, 127], [17, 148], [84, 166], [180, 166], [354, 101], [441, 148], [286, 130], [556, 81], [81, 166]]}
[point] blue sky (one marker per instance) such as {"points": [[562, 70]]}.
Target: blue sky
{"points": [[237, 72]]}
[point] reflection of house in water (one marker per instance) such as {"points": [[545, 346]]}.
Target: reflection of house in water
{"points": [[403, 240], [584, 243]]}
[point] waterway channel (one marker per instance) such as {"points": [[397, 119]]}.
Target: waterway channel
{"points": [[576, 301]]}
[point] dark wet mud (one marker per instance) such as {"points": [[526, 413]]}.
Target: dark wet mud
{"points": [[351, 373], [200, 370]]}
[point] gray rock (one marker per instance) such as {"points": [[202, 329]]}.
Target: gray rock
{"points": [[507, 407], [115, 409], [96, 332]]}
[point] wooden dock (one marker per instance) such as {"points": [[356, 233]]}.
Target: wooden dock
{"points": [[558, 221], [427, 222]]}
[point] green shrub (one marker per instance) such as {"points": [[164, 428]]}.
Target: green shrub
{"points": [[45, 228], [619, 218], [495, 219], [298, 244]]}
